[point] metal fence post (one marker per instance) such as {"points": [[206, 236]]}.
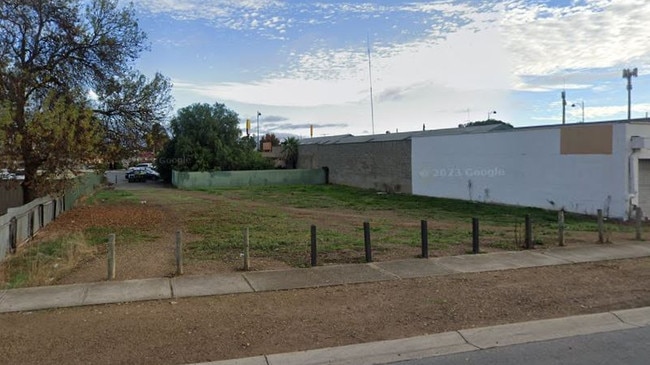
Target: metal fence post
{"points": [[424, 233], [475, 236], [366, 240], [314, 249]]}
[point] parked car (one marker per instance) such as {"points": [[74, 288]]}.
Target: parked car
{"points": [[141, 174], [139, 166], [6, 175]]}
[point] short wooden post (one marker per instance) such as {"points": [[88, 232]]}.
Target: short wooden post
{"points": [[475, 236], [366, 240], [314, 248], [601, 227], [111, 256], [529, 233], [424, 233], [560, 227], [247, 259], [638, 216], [179, 253]]}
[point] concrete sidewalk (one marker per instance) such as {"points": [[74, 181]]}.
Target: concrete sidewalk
{"points": [[447, 343], [37, 298]]}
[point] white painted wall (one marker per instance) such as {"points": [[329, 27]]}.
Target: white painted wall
{"points": [[642, 130], [522, 167]]}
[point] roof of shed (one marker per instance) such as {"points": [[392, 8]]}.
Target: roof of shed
{"points": [[348, 138]]}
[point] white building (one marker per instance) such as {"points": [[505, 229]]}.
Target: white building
{"points": [[579, 168]]}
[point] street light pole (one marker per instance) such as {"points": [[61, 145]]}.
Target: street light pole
{"points": [[490, 113], [259, 141], [582, 105], [628, 74]]}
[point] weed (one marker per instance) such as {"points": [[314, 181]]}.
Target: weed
{"points": [[44, 262]]}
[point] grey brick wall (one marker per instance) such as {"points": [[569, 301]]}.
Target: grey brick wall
{"points": [[384, 166]]}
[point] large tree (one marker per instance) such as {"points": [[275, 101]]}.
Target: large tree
{"points": [[207, 138], [69, 93], [270, 137], [290, 151], [157, 138]]}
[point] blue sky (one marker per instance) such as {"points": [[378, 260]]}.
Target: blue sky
{"points": [[438, 63]]}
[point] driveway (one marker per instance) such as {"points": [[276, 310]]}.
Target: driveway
{"points": [[117, 177]]}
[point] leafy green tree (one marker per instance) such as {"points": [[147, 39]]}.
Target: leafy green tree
{"points": [[487, 122], [270, 137], [132, 110], [290, 151], [157, 138], [207, 138], [54, 54]]}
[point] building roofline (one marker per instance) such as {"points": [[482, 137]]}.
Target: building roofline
{"points": [[482, 129]]}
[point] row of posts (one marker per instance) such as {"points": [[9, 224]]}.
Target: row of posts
{"points": [[111, 255], [424, 234]]}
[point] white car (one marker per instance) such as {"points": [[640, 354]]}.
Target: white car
{"points": [[6, 175]]}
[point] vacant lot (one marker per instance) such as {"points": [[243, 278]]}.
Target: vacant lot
{"points": [[203, 329], [279, 218]]}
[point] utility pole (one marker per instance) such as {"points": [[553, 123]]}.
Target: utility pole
{"points": [[628, 74], [563, 106], [372, 105], [259, 141]]}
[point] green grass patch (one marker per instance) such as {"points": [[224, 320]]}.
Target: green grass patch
{"points": [[283, 234], [127, 235], [111, 196]]}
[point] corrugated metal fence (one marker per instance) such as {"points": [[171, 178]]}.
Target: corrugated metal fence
{"points": [[20, 224]]}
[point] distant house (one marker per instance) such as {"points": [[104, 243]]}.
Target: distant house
{"points": [[576, 167], [273, 153]]}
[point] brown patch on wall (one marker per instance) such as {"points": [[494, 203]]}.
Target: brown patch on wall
{"points": [[587, 140]]}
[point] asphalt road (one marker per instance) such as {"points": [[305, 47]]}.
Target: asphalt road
{"points": [[117, 177], [628, 347]]}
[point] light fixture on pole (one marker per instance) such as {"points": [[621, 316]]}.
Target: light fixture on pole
{"points": [[490, 113], [582, 105], [259, 141], [628, 74]]}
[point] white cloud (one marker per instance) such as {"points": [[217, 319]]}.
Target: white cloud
{"points": [[459, 56], [600, 34]]}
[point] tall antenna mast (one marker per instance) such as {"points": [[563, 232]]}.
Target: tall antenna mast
{"points": [[372, 106]]}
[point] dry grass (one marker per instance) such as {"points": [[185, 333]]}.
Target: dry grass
{"points": [[45, 261]]}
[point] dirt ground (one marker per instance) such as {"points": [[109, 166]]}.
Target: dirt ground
{"points": [[234, 326]]}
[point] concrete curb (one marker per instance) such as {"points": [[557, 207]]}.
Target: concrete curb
{"points": [[474, 339], [46, 297]]}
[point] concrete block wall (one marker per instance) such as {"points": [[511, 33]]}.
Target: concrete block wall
{"points": [[383, 166]]}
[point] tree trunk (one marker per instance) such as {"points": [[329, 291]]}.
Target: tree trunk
{"points": [[29, 184]]}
